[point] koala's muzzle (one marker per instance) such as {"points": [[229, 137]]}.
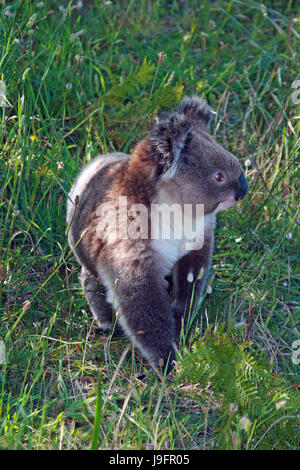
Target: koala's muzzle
{"points": [[242, 188]]}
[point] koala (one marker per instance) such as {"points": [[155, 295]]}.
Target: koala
{"points": [[126, 261]]}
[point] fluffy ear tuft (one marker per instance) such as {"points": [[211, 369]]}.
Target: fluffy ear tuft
{"points": [[169, 136], [172, 133], [196, 110]]}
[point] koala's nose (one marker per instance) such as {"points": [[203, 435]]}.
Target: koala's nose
{"points": [[242, 188]]}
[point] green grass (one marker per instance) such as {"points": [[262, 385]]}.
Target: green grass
{"points": [[81, 80]]}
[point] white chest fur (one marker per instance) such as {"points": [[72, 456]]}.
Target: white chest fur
{"points": [[179, 230]]}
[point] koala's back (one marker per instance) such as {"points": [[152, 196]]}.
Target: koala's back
{"points": [[88, 173], [88, 191]]}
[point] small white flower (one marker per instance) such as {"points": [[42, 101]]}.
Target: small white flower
{"points": [[76, 35], [2, 352], [40, 4], [209, 290], [280, 404], [211, 25], [264, 10], [3, 100], [240, 324], [31, 21], [78, 59], [232, 408], [248, 163], [245, 423], [237, 240], [296, 352], [60, 165], [289, 235], [69, 86], [26, 305], [63, 10], [7, 12]]}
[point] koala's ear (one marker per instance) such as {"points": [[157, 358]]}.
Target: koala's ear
{"points": [[196, 111], [169, 137], [171, 134]]}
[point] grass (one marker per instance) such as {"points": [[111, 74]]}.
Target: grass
{"points": [[79, 80]]}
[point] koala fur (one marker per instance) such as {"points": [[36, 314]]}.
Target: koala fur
{"points": [[177, 163]]}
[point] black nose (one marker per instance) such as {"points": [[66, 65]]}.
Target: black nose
{"points": [[242, 188]]}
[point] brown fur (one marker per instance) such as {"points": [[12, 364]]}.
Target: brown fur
{"points": [[176, 163]]}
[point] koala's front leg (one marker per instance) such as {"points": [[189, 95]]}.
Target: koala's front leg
{"points": [[144, 313], [188, 288]]}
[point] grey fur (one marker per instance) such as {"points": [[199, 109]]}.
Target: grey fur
{"points": [[178, 163]]}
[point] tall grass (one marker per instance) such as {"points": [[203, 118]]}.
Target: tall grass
{"points": [[82, 78]]}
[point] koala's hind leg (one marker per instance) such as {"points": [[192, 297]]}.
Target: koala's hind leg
{"points": [[95, 294], [188, 285]]}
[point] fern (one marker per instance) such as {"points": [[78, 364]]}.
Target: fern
{"points": [[133, 100], [130, 84], [255, 408]]}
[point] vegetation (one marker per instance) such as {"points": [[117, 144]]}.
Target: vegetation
{"points": [[82, 78]]}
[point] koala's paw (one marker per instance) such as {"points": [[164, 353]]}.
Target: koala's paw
{"points": [[117, 332]]}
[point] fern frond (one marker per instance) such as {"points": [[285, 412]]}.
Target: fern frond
{"points": [[237, 375]]}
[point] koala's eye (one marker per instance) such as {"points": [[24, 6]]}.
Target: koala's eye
{"points": [[219, 176]]}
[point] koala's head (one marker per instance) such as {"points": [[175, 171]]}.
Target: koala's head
{"points": [[191, 162]]}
